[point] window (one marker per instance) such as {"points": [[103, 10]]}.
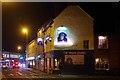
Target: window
{"points": [[101, 64], [102, 42], [86, 44], [56, 63], [50, 62]]}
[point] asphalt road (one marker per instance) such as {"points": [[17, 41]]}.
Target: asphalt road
{"points": [[30, 74]]}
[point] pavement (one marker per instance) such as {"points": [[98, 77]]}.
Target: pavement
{"points": [[39, 75], [67, 76]]}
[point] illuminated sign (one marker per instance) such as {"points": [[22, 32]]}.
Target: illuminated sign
{"points": [[30, 58], [62, 37], [40, 41], [74, 59]]}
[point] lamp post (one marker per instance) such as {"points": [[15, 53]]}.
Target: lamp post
{"points": [[25, 31], [19, 48]]}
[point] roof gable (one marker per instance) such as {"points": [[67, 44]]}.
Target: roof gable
{"points": [[73, 9]]}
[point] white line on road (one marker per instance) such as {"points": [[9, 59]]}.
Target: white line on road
{"points": [[19, 73]]}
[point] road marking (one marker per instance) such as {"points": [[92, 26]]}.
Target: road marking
{"points": [[19, 73]]}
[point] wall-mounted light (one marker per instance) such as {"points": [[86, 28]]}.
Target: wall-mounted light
{"points": [[50, 39]]}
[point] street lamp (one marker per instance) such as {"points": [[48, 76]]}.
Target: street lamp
{"points": [[19, 48], [25, 31]]}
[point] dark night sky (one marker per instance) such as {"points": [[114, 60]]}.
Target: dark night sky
{"points": [[34, 14]]}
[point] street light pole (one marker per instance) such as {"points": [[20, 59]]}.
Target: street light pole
{"points": [[26, 37], [19, 48]]}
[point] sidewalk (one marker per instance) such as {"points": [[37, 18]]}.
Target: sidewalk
{"points": [[67, 76]]}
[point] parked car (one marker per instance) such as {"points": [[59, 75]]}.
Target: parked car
{"points": [[4, 66], [16, 64]]}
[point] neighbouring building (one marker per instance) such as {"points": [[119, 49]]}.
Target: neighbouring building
{"points": [[107, 54], [9, 57], [31, 53]]}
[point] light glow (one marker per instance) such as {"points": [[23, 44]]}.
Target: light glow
{"points": [[63, 37], [40, 39], [19, 47], [63, 44], [6, 60], [97, 60], [62, 28], [102, 37], [30, 58]]}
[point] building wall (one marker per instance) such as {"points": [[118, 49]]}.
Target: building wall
{"points": [[112, 53], [80, 27], [49, 45], [40, 34], [32, 48]]}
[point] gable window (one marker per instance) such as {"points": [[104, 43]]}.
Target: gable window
{"points": [[102, 42]]}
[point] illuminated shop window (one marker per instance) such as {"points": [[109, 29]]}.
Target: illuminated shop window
{"points": [[101, 64], [86, 44], [56, 63], [33, 62], [102, 42], [30, 62], [42, 61]]}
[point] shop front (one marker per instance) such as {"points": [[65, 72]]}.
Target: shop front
{"points": [[72, 61], [30, 62]]}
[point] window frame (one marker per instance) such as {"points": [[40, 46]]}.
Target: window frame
{"points": [[102, 62], [106, 42]]}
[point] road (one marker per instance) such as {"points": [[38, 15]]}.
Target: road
{"points": [[31, 74]]}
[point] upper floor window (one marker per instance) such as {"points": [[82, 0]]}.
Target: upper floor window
{"points": [[102, 42], [86, 44]]}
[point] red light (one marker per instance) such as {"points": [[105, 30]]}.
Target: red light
{"points": [[13, 64], [16, 62]]}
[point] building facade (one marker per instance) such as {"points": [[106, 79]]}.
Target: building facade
{"points": [[107, 57], [9, 57], [68, 39], [31, 53]]}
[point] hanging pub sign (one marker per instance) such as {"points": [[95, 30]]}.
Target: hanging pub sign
{"points": [[62, 37], [40, 41]]}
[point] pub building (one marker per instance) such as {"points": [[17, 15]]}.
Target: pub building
{"points": [[67, 39], [70, 39]]}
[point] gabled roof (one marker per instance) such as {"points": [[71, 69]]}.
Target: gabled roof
{"points": [[77, 6], [56, 15], [85, 12]]}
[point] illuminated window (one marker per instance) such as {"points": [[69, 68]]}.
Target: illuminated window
{"points": [[101, 64], [33, 62], [86, 44], [56, 63], [102, 42]]}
